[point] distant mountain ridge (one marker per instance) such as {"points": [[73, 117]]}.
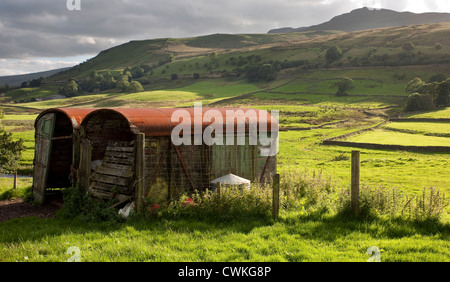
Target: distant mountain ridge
{"points": [[367, 18], [16, 80]]}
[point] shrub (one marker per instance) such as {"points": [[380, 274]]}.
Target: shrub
{"points": [[334, 53], [234, 203], [134, 87], [344, 85], [408, 46], [79, 204], [419, 102]]}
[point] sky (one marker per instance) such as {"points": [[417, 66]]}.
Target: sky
{"points": [[49, 34]]}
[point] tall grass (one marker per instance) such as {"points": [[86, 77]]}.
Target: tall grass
{"points": [[233, 202], [308, 193], [313, 193]]}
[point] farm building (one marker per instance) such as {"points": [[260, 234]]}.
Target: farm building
{"points": [[56, 149], [133, 153]]}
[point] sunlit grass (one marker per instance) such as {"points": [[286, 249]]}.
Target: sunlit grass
{"points": [[399, 138]]}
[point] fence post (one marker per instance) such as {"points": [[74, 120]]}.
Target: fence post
{"points": [[15, 179], [219, 198], [140, 167], [276, 196], [355, 182]]}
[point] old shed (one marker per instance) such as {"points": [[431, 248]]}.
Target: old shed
{"points": [[56, 148], [131, 153]]}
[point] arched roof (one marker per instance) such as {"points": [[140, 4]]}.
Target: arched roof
{"points": [[76, 116], [158, 122]]}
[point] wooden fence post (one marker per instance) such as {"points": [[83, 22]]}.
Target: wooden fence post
{"points": [[355, 182], [276, 196], [140, 170], [219, 198], [15, 180]]}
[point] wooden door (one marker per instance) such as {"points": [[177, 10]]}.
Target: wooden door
{"points": [[43, 141]]}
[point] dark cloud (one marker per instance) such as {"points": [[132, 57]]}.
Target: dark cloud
{"points": [[46, 28]]}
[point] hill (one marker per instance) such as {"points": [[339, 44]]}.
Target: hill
{"points": [[16, 80], [229, 55], [367, 18], [220, 68]]}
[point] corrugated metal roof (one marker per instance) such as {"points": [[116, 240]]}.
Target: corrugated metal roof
{"points": [[76, 116], [158, 122]]}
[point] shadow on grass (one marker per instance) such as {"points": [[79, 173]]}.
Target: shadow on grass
{"points": [[332, 227]]}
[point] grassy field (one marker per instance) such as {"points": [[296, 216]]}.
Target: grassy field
{"points": [[421, 127], [309, 227], [398, 138], [298, 235], [292, 238], [441, 113]]}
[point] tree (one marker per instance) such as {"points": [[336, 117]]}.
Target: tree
{"points": [[135, 86], [265, 72], [36, 82], [427, 96], [10, 152], [122, 82], [344, 85], [174, 76], [334, 53], [419, 102], [4, 87], [70, 89], [408, 46], [415, 86], [442, 99], [137, 72], [196, 75]]}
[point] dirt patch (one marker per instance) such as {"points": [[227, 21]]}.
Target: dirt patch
{"points": [[16, 208]]}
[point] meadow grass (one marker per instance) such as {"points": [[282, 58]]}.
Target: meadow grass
{"points": [[8, 192], [413, 171], [440, 113], [301, 233], [426, 128], [291, 238], [381, 136], [161, 95]]}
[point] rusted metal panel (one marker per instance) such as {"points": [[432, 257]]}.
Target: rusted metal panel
{"points": [[157, 122], [76, 116]]}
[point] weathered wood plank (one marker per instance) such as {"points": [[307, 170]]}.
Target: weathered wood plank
{"points": [[111, 179], [115, 159], [101, 194], [111, 188], [140, 170], [114, 172], [120, 149], [117, 166]]}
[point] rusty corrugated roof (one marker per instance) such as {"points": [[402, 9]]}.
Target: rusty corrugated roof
{"points": [[76, 116], [158, 122]]}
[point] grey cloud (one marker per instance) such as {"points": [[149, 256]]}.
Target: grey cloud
{"points": [[47, 28]]}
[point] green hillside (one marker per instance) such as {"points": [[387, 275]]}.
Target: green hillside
{"points": [[255, 67]]}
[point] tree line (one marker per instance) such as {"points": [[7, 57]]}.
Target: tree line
{"points": [[125, 81], [428, 95]]}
